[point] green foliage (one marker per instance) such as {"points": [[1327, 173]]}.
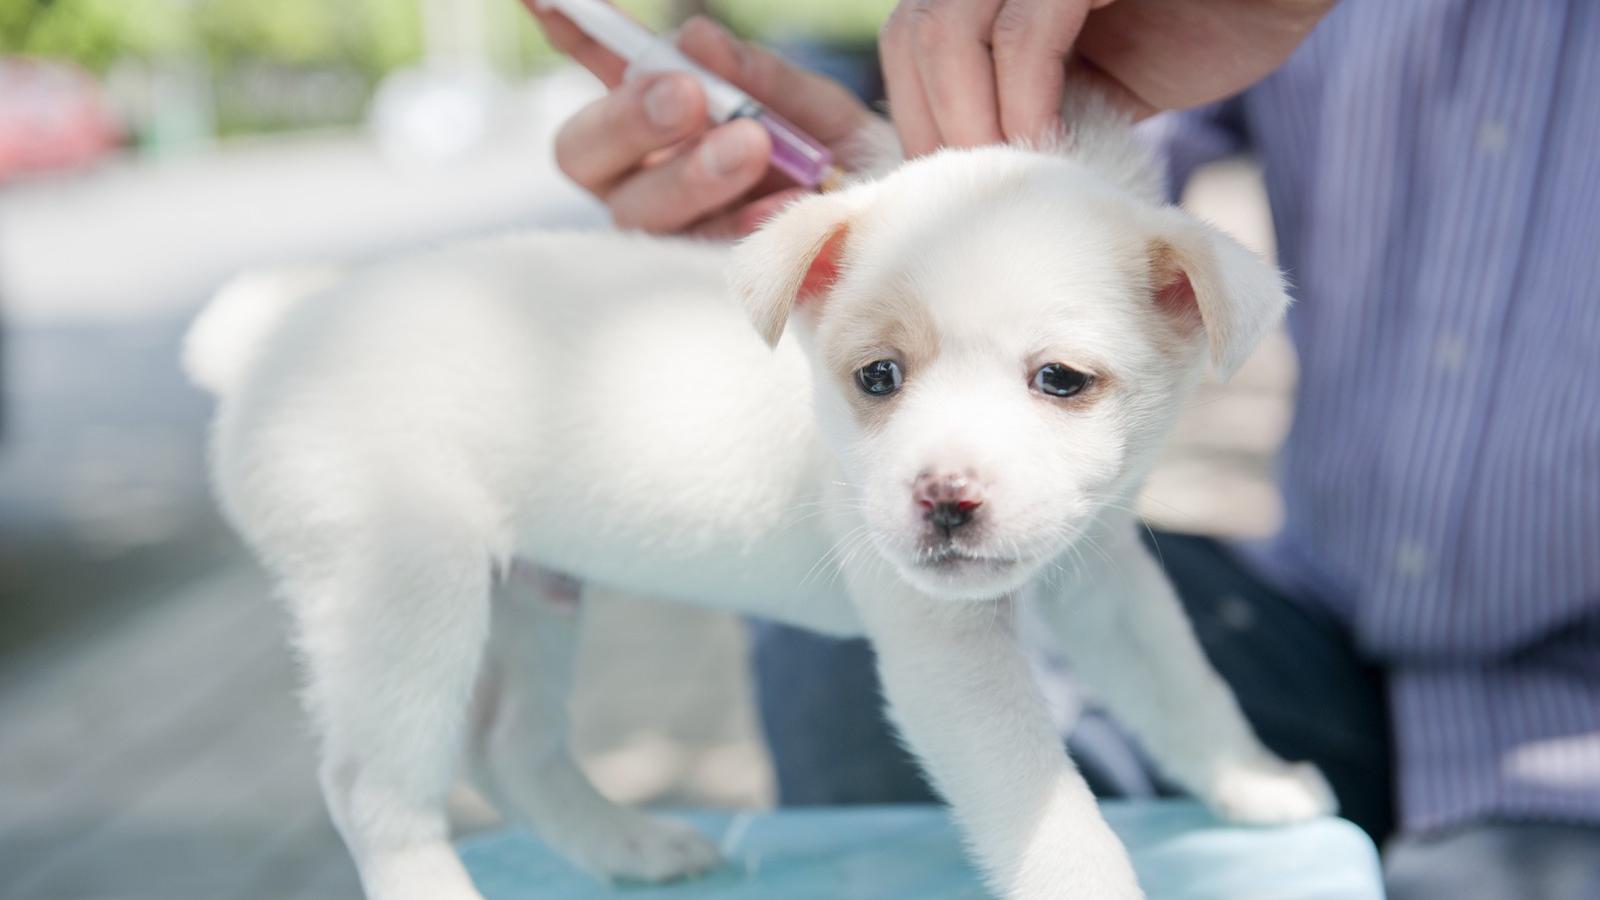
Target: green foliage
{"points": [[394, 32], [256, 50], [370, 35], [373, 36], [848, 21], [94, 32]]}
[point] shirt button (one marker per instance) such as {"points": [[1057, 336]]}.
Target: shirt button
{"points": [[1493, 137], [1235, 613], [1411, 559], [1450, 354]]}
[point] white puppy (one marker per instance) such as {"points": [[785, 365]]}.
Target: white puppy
{"points": [[976, 358]]}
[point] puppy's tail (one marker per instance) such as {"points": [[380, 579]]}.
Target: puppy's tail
{"points": [[223, 341]]}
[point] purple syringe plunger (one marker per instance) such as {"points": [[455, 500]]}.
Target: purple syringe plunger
{"points": [[794, 153]]}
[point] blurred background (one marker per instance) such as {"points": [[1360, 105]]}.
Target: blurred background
{"points": [[150, 744]]}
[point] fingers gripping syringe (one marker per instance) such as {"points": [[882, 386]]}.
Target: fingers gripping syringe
{"points": [[794, 153]]}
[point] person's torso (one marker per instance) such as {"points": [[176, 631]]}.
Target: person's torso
{"points": [[1434, 167]]}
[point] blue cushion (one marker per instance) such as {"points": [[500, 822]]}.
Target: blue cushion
{"points": [[913, 853]]}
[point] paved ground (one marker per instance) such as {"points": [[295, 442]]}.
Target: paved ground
{"points": [[150, 745]]}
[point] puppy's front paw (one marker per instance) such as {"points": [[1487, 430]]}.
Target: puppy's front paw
{"points": [[1271, 792], [637, 847]]}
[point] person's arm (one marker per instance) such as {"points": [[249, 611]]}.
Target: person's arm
{"points": [[648, 151]]}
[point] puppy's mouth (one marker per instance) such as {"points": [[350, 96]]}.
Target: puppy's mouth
{"points": [[957, 572], [950, 559]]}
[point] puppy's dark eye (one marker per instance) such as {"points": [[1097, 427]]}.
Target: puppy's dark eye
{"points": [[1058, 380], [879, 378]]}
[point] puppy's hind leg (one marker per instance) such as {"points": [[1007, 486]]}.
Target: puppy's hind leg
{"points": [[392, 632], [523, 761]]}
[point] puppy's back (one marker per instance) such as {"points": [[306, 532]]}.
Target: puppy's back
{"points": [[570, 393]]}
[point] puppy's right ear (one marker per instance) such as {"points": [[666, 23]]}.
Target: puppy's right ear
{"points": [[791, 264], [1204, 277]]}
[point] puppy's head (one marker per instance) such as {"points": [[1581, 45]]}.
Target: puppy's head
{"points": [[1000, 337]]}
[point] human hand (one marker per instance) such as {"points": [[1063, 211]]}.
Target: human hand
{"points": [[649, 152], [962, 73]]}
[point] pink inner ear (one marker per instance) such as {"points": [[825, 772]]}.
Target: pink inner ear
{"points": [[824, 269], [1174, 295], [1177, 295]]}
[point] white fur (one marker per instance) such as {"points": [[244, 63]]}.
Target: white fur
{"points": [[402, 445]]}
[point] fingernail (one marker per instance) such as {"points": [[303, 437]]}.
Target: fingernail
{"points": [[665, 102], [726, 150]]}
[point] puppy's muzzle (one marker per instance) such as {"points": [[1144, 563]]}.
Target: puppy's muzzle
{"points": [[948, 501]]}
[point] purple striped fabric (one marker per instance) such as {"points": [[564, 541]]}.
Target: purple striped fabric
{"points": [[1434, 172]]}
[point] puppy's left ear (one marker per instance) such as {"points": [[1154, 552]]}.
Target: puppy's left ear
{"points": [[790, 264], [1202, 275]]}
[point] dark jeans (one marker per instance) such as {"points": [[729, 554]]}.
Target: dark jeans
{"points": [[1298, 679]]}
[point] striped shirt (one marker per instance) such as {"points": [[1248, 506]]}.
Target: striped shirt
{"points": [[1434, 173]]}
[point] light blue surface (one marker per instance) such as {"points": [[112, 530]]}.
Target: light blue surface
{"points": [[913, 853]]}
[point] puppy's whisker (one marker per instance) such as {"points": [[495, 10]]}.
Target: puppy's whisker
{"points": [[852, 553], [845, 543], [1112, 504], [820, 513]]}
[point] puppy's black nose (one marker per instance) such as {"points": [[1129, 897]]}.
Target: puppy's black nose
{"points": [[951, 514], [948, 501]]}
